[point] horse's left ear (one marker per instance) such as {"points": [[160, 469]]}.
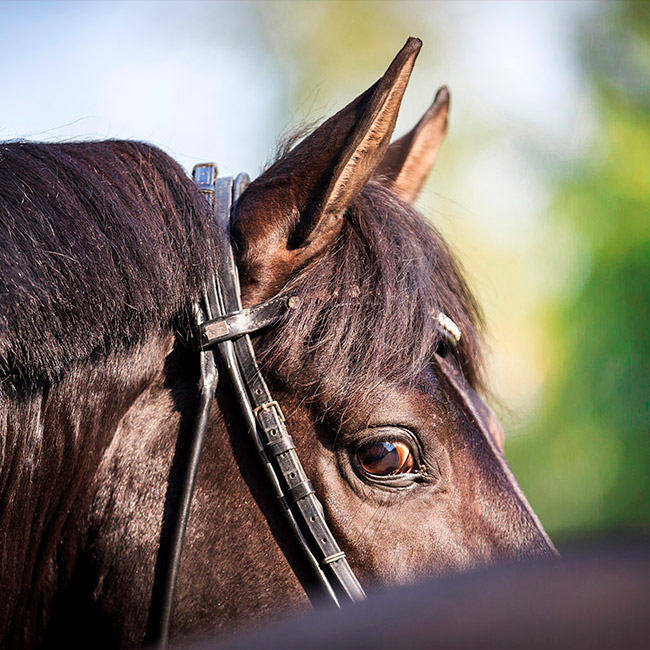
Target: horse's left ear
{"points": [[294, 211], [409, 160]]}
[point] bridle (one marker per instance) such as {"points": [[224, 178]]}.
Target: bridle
{"points": [[223, 331]]}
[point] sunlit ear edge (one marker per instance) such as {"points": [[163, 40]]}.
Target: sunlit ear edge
{"points": [[410, 159], [294, 211], [368, 144]]}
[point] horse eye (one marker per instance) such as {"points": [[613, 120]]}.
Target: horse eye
{"points": [[386, 458]]}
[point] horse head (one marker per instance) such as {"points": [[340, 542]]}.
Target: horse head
{"points": [[408, 463]]}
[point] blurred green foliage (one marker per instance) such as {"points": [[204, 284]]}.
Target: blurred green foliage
{"points": [[585, 460]]}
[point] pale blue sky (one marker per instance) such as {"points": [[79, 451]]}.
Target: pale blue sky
{"points": [[143, 70]]}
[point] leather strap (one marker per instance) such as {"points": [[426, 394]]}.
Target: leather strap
{"points": [[477, 408], [280, 446], [246, 321], [169, 555], [300, 491], [266, 421]]}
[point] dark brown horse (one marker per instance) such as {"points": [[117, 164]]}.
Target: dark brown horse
{"points": [[104, 249]]}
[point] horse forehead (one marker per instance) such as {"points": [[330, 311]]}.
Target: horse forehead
{"points": [[380, 404]]}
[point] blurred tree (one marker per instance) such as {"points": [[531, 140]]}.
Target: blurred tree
{"points": [[585, 461]]}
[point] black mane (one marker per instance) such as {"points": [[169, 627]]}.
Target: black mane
{"points": [[100, 244]]}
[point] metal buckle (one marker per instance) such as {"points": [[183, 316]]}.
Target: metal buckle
{"points": [[205, 176], [266, 407]]}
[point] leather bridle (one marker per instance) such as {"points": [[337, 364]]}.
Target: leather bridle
{"points": [[224, 344]]}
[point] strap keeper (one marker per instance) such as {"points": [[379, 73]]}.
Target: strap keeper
{"points": [[300, 491], [280, 446], [335, 557]]}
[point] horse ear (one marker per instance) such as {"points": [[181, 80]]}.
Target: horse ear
{"points": [[409, 160], [295, 209]]}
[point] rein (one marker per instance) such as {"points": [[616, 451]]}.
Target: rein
{"points": [[223, 340]]}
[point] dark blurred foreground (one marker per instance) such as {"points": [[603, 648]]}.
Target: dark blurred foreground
{"points": [[591, 599]]}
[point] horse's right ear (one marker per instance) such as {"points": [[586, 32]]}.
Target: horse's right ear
{"points": [[409, 160], [295, 209]]}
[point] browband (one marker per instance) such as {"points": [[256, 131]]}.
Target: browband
{"points": [[245, 321]]}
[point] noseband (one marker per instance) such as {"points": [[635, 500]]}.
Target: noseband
{"points": [[223, 330]]}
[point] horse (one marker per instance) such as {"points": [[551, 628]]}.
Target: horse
{"points": [[106, 249]]}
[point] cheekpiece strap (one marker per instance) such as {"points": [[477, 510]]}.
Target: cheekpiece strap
{"points": [[227, 330], [485, 419]]}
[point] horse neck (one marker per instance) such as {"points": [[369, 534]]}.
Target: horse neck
{"points": [[53, 440], [235, 521]]}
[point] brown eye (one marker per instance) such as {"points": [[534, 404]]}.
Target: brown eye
{"points": [[384, 458]]}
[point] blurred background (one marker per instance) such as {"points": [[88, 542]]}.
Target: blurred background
{"points": [[543, 187]]}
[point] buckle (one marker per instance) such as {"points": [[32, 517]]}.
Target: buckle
{"points": [[205, 176], [269, 405]]}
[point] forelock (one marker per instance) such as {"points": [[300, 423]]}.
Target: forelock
{"points": [[369, 306]]}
